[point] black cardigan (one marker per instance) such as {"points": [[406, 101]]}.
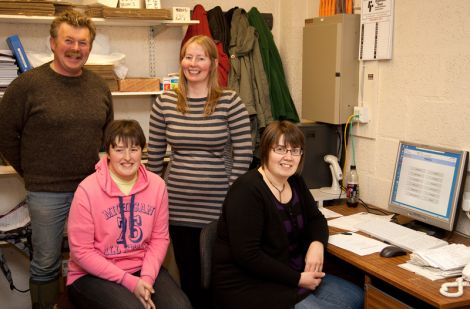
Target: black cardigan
{"points": [[251, 259]]}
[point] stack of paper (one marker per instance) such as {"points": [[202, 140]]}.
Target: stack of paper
{"points": [[430, 272], [359, 244], [350, 223], [106, 71], [438, 263], [8, 69], [159, 14], [27, 7], [453, 256]]}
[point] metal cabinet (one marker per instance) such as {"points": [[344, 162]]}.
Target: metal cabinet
{"points": [[330, 68]]}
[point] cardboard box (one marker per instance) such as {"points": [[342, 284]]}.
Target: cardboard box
{"points": [[139, 84]]}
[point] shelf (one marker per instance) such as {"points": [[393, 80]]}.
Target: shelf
{"points": [[98, 21], [124, 94], [6, 170], [142, 93]]}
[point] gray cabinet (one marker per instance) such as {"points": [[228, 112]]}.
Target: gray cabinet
{"points": [[330, 68], [320, 139]]}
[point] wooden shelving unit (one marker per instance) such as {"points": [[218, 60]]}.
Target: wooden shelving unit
{"points": [[14, 19]]}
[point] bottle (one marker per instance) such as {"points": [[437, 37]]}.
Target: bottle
{"points": [[352, 188]]}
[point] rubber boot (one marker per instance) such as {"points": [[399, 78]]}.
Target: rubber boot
{"points": [[44, 295]]}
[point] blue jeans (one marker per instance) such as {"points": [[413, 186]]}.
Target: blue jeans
{"points": [[334, 293], [48, 211], [93, 292]]}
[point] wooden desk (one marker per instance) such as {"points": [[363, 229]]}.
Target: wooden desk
{"points": [[383, 278]]}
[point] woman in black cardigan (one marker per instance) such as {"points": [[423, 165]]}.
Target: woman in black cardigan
{"points": [[271, 237]]}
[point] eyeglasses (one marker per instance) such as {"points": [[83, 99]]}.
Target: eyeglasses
{"points": [[283, 150]]}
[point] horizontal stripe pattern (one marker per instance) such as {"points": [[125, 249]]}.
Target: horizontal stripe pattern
{"points": [[200, 169]]}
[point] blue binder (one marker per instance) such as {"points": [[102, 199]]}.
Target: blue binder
{"points": [[18, 51]]}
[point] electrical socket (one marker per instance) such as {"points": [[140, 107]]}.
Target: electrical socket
{"points": [[466, 201], [362, 113]]}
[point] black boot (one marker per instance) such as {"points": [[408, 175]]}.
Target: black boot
{"points": [[44, 295]]}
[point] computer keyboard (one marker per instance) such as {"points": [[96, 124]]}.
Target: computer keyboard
{"points": [[400, 235]]}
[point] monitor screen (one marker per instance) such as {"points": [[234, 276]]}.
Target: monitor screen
{"points": [[427, 183]]}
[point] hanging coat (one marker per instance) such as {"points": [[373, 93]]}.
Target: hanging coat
{"points": [[218, 26], [247, 75], [282, 105]]}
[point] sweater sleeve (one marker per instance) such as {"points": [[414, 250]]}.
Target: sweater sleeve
{"points": [[80, 228], [160, 239], [12, 120], [317, 226], [247, 227], [240, 137], [157, 138]]}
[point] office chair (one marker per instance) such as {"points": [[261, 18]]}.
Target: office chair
{"points": [[207, 239]]}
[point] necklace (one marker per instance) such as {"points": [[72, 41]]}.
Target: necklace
{"points": [[278, 190]]}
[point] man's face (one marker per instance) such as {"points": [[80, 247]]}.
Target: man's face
{"points": [[71, 49]]}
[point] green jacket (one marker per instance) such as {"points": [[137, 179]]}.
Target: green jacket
{"points": [[282, 105]]}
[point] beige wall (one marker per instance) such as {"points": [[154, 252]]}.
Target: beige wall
{"points": [[420, 95]]}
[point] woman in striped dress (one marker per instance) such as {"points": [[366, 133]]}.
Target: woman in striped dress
{"points": [[208, 130]]}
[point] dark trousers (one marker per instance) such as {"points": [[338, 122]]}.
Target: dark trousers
{"points": [[92, 292], [186, 246]]}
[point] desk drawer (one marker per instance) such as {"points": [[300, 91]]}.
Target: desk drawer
{"points": [[377, 299]]}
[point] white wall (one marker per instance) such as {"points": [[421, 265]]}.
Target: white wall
{"points": [[421, 95]]}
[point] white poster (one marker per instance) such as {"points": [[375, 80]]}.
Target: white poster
{"points": [[376, 30]]}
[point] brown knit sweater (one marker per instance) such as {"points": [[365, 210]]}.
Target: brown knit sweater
{"points": [[51, 127]]}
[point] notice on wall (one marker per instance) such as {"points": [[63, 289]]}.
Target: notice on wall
{"points": [[376, 37]]}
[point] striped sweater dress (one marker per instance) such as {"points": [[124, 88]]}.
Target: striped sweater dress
{"points": [[199, 172]]}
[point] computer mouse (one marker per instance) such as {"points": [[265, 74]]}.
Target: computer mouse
{"points": [[392, 251]]}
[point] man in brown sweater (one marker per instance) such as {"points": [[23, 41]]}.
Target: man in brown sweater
{"points": [[52, 120]]}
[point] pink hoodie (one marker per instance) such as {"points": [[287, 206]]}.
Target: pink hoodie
{"points": [[111, 236]]}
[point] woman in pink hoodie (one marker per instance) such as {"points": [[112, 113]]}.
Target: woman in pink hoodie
{"points": [[118, 231]]}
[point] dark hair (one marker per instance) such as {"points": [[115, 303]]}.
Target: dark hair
{"points": [[128, 131], [293, 137], [75, 19]]}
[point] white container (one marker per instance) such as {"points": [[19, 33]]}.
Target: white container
{"points": [[169, 83], [110, 3]]}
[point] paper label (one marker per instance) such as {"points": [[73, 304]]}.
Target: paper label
{"points": [[152, 4]]}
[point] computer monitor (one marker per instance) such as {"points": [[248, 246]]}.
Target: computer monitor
{"points": [[427, 184]]}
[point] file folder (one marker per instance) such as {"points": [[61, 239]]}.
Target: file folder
{"points": [[18, 52]]}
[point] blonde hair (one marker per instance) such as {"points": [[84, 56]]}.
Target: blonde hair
{"points": [[214, 91]]}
